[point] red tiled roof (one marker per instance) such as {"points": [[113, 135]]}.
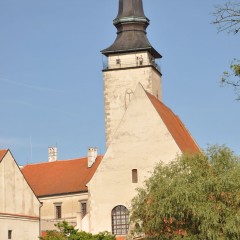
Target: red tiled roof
{"points": [[175, 126], [43, 233], [3, 153], [60, 177]]}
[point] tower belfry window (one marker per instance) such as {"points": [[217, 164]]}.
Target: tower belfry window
{"points": [[118, 61]]}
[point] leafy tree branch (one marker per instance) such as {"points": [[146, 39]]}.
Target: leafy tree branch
{"points": [[227, 18], [233, 78]]}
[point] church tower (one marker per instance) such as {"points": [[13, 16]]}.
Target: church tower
{"points": [[130, 59]]}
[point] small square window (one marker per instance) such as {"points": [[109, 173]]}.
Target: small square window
{"points": [[118, 61]]}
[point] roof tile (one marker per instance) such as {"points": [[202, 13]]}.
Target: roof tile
{"points": [[60, 177], [175, 126]]}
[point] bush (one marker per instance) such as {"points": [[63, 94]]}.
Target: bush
{"points": [[67, 232]]}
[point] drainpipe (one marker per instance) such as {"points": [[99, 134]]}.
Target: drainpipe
{"points": [[40, 232]]}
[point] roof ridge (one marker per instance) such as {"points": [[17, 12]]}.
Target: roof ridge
{"points": [[59, 160]]}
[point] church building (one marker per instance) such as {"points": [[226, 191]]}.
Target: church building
{"points": [[140, 132]]}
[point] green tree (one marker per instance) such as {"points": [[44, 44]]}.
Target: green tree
{"points": [[193, 197], [68, 232], [227, 18]]}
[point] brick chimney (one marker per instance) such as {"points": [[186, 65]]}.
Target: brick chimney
{"points": [[52, 154], [92, 156]]}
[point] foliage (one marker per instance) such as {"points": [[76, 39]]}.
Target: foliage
{"points": [[227, 17], [193, 197], [67, 232], [227, 78]]}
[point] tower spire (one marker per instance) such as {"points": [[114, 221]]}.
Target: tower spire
{"points": [[132, 11], [131, 24]]}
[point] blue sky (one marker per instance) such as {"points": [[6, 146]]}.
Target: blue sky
{"points": [[51, 81]]}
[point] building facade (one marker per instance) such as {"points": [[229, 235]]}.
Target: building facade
{"points": [[94, 193], [61, 188]]}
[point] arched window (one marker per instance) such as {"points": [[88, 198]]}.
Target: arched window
{"points": [[120, 220]]}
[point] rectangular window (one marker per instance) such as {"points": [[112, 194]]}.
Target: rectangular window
{"points": [[83, 208], [134, 176], [58, 210], [9, 234]]}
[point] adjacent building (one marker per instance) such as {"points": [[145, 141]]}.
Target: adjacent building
{"points": [[19, 206], [61, 188]]}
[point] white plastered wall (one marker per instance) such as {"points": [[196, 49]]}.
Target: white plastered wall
{"points": [[140, 141], [19, 207], [22, 228]]}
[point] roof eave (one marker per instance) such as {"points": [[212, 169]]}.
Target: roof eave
{"points": [[153, 51], [60, 194]]}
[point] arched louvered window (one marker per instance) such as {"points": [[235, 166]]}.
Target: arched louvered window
{"points": [[120, 220]]}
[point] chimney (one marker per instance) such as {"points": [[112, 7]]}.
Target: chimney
{"points": [[92, 156], [52, 154]]}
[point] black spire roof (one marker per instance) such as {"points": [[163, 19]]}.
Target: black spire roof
{"points": [[131, 24]]}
